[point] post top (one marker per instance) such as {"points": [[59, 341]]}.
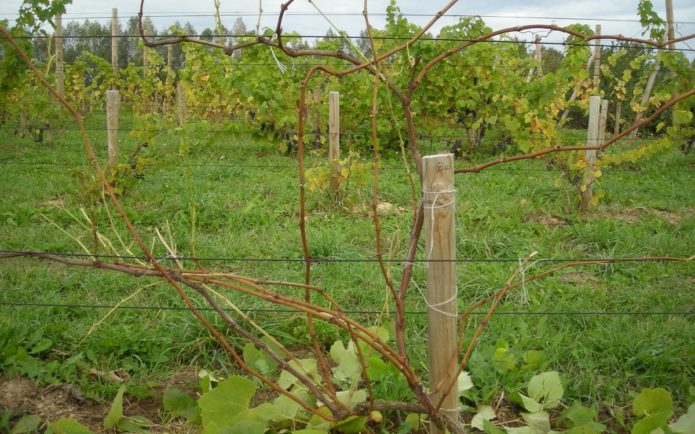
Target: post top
{"points": [[442, 155]]}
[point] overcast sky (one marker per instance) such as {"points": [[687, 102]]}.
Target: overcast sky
{"points": [[615, 16]]}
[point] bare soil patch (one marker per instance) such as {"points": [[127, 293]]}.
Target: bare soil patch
{"points": [[22, 396]]}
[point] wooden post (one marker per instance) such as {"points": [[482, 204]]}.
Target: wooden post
{"points": [[597, 62], [112, 102], [439, 197], [602, 120], [114, 41], [170, 57], [334, 139], [618, 114], [566, 112], [592, 139], [539, 55], [645, 95], [145, 60], [181, 103], [60, 72], [670, 34]]}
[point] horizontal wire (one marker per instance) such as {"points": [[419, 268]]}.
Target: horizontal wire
{"points": [[603, 261], [590, 44], [288, 134], [351, 312], [506, 171], [179, 14]]}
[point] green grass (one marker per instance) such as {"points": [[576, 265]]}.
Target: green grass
{"points": [[245, 199]]}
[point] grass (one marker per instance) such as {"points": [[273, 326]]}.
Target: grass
{"points": [[244, 198]]}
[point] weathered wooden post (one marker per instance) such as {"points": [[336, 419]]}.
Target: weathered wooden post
{"points": [[114, 41], [592, 139], [596, 82], [334, 139], [602, 121], [60, 72], [170, 57], [618, 115], [112, 102], [439, 197], [145, 61], [539, 55], [181, 103]]}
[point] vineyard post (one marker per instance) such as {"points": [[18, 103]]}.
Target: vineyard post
{"points": [[181, 103], [170, 57], [114, 41], [60, 73], [618, 115], [602, 120], [670, 34], [597, 62], [592, 138], [439, 197], [145, 60], [539, 55], [334, 139], [112, 103]]}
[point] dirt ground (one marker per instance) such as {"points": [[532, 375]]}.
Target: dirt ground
{"points": [[21, 396]]}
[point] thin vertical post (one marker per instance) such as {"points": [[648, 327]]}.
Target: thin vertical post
{"points": [[618, 115], [114, 41], [170, 57], [670, 30], [181, 103], [334, 139], [670, 34], [60, 72], [592, 139], [597, 61], [602, 120], [439, 198], [539, 55], [112, 102], [145, 60]]}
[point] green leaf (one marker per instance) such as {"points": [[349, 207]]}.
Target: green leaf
{"points": [[351, 398], [348, 368], [352, 425], [503, 360], [583, 417], [116, 411], [521, 430], [288, 380], [539, 421], [255, 358], [656, 405], [651, 401], [464, 382], [68, 426], [530, 404], [133, 424], [227, 406], [533, 360], [26, 424], [179, 404], [412, 422], [686, 423], [546, 388], [491, 428], [484, 414]]}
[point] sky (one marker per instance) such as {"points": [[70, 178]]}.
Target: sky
{"points": [[614, 16]]}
